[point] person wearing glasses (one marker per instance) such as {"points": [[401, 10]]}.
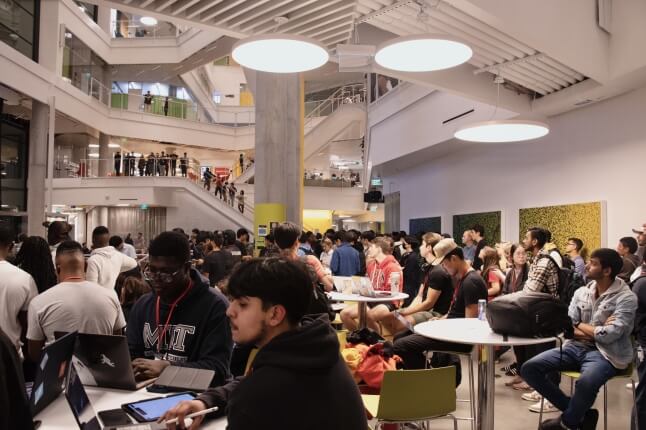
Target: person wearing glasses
{"points": [[182, 321]]}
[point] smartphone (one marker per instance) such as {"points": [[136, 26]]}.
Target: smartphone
{"points": [[114, 417], [151, 409]]}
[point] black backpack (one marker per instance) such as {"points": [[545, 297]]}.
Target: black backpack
{"points": [[529, 314], [569, 281]]}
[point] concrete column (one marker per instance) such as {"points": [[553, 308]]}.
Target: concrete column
{"points": [[103, 18], [105, 162], [279, 143], [51, 39], [38, 130]]}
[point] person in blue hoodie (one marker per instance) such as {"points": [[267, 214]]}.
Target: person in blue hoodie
{"points": [[298, 379], [182, 321]]}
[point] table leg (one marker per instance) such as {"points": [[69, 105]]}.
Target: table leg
{"points": [[486, 387], [363, 319]]}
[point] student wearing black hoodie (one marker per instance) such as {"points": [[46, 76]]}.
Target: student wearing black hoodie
{"points": [[182, 321], [298, 378]]}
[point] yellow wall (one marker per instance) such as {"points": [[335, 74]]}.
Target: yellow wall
{"points": [[314, 220], [246, 98]]}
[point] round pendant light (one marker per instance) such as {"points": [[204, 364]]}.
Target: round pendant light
{"points": [[511, 130], [423, 53], [280, 53], [148, 20]]}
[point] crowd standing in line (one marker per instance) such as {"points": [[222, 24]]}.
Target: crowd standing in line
{"points": [[219, 302]]}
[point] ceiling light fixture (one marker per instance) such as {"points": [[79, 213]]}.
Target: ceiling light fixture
{"points": [[504, 130], [509, 130], [113, 145], [280, 53], [148, 20], [423, 53]]}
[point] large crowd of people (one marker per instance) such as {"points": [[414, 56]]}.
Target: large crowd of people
{"points": [[202, 300]]}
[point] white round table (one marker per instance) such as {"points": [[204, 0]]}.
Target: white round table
{"points": [[472, 331], [363, 302], [58, 415]]}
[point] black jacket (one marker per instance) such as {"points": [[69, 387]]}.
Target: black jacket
{"points": [[199, 333], [297, 381]]}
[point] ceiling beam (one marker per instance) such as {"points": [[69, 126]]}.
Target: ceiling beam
{"points": [[232, 13], [203, 5], [182, 5], [263, 10], [305, 15], [324, 21], [283, 11]]}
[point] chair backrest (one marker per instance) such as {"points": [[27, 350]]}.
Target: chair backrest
{"points": [[417, 394]]}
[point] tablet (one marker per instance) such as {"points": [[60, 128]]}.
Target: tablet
{"points": [[151, 409]]}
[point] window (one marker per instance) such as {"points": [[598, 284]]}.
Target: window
{"points": [[18, 25]]}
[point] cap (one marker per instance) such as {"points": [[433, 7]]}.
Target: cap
{"points": [[640, 230], [441, 249]]}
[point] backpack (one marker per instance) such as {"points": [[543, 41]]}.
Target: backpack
{"points": [[528, 314], [569, 281], [319, 303]]}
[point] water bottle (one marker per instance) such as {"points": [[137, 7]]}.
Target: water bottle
{"points": [[482, 310], [394, 283]]}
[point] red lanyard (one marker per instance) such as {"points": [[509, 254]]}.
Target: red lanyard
{"points": [[160, 340], [457, 288]]}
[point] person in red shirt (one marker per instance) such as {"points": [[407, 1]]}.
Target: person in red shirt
{"points": [[380, 267]]}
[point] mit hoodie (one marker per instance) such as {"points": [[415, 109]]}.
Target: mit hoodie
{"points": [[297, 381], [105, 264], [198, 333]]}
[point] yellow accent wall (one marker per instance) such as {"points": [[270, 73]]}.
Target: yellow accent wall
{"points": [[314, 220], [582, 220], [246, 98], [265, 214]]}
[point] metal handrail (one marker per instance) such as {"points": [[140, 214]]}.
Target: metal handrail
{"points": [[187, 110], [89, 168], [347, 94]]}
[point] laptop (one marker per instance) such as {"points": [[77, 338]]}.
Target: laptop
{"points": [[104, 361], [84, 413], [50, 374]]}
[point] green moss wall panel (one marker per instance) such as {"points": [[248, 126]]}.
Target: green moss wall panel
{"points": [[489, 220], [582, 220], [425, 225]]}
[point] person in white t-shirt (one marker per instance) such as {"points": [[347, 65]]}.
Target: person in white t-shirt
{"points": [[105, 262], [125, 248], [17, 289], [72, 304]]}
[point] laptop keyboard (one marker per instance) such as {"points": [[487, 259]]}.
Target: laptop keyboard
{"points": [[135, 427]]}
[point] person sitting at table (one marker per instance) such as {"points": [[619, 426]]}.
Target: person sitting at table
{"points": [[381, 267], [74, 304], [433, 297], [469, 289], [182, 321], [286, 238], [603, 314], [298, 378]]}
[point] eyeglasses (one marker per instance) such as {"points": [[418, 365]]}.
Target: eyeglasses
{"points": [[162, 277]]}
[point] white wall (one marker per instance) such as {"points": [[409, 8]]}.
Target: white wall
{"points": [[591, 154]]}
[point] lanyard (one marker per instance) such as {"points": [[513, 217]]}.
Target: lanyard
{"points": [[160, 340], [457, 288]]}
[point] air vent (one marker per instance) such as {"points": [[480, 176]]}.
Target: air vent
{"points": [[583, 102], [463, 114]]}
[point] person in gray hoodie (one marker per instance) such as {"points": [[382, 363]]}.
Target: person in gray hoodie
{"points": [[105, 262], [603, 314]]}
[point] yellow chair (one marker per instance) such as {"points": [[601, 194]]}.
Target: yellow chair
{"points": [[623, 374], [472, 388], [414, 396]]}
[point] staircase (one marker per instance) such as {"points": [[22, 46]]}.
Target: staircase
{"points": [[323, 124]]}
